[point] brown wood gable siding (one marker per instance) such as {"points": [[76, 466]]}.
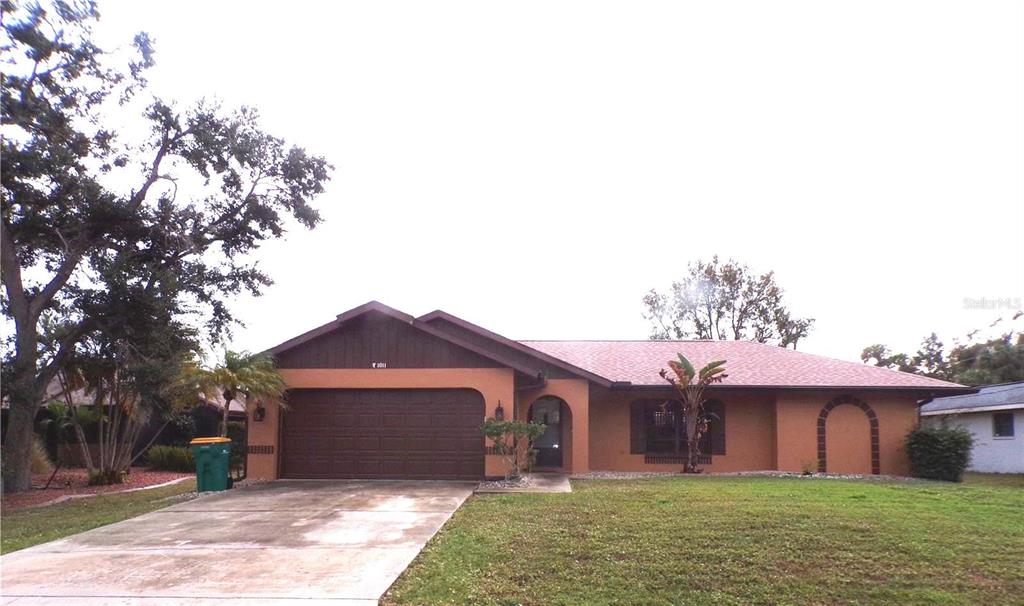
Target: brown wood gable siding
{"points": [[377, 338], [550, 371]]}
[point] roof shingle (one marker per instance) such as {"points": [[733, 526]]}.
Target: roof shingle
{"points": [[748, 364]]}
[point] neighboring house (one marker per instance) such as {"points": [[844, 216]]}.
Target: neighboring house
{"points": [[995, 415], [377, 393]]}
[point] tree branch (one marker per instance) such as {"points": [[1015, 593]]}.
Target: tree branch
{"points": [[10, 269], [67, 346], [64, 272]]}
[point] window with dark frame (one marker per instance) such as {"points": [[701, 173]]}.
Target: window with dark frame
{"points": [[1002, 425], [658, 428]]}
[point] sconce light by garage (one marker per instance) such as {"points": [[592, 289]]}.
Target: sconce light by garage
{"points": [[499, 412], [260, 413]]}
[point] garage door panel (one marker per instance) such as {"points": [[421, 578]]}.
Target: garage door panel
{"points": [[362, 433]]}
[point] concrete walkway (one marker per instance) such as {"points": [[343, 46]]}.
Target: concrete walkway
{"points": [[280, 543]]}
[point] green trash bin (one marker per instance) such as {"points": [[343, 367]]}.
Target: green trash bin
{"points": [[213, 467]]}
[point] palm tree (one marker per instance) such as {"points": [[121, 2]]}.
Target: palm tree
{"points": [[252, 376], [691, 396]]}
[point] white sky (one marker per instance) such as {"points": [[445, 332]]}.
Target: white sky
{"points": [[536, 167]]}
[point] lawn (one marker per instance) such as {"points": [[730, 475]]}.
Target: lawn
{"points": [[728, 541], [21, 528], [995, 479]]}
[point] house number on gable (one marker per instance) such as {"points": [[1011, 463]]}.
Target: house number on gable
{"points": [[378, 364]]}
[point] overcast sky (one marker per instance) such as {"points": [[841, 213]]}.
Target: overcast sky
{"points": [[536, 167]]}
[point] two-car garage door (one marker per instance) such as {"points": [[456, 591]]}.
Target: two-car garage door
{"points": [[383, 433]]}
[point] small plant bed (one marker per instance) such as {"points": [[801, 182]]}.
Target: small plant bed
{"points": [[505, 483], [33, 525], [727, 540], [75, 482]]}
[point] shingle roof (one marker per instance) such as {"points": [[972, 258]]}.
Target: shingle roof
{"points": [[1005, 396], [747, 363]]}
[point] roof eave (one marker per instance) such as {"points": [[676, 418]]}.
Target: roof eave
{"points": [[516, 345]]}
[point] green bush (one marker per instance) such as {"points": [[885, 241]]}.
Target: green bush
{"points": [[171, 458], [939, 453]]}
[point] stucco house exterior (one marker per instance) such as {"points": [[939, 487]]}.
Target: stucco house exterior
{"points": [[995, 416], [377, 393]]}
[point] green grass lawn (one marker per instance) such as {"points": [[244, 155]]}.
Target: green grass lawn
{"points": [[995, 479], [21, 528], [729, 541]]}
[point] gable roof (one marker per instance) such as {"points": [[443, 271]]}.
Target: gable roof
{"points": [[380, 308], [625, 363], [438, 314], [748, 364], [1005, 396]]}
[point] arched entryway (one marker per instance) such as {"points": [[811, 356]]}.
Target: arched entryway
{"points": [[554, 448], [848, 437]]}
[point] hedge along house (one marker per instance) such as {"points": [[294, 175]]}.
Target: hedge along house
{"points": [[377, 393]]}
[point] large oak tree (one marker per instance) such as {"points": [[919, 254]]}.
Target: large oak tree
{"points": [[94, 219]]}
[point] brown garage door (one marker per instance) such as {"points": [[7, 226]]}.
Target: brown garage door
{"points": [[383, 433]]}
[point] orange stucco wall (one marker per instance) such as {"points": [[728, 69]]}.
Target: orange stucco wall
{"points": [[576, 394], [764, 430], [494, 384], [796, 421], [749, 435]]}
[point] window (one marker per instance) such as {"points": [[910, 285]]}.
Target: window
{"points": [[665, 427], [658, 427], [1002, 425]]}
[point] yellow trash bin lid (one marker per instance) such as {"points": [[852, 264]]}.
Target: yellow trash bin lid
{"points": [[201, 441]]}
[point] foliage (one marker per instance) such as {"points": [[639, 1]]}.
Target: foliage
{"points": [[30, 526], [41, 463], [253, 377], [724, 301], [100, 230], [691, 397], [760, 541], [998, 360], [513, 440], [238, 434], [939, 453], [119, 381], [170, 458]]}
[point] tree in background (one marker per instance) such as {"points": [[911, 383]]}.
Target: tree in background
{"points": [[250, 376], [691, 398], [92, 222], [996, 360], [724, 301]]}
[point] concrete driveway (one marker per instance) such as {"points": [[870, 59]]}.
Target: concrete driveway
{"points": [[280, 543]]}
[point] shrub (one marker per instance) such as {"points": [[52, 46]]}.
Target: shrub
{"points": [[39, 459], [513, 440], [101, 477], [171, 458], [939, 453]]}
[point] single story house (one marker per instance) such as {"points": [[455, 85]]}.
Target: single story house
{"points": [[995, 415], [377, 393]]}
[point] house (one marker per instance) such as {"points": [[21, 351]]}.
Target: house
{"points": [[377, 393], [995, 415]]}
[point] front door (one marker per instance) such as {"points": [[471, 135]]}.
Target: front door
{"points": [[549, 445]]}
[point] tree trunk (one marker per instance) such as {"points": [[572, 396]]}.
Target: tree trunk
{"points": [[227, 411], [17, 468], [24, 397]]}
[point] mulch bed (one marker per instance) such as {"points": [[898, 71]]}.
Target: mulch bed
{"points": [[75, 481]]}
